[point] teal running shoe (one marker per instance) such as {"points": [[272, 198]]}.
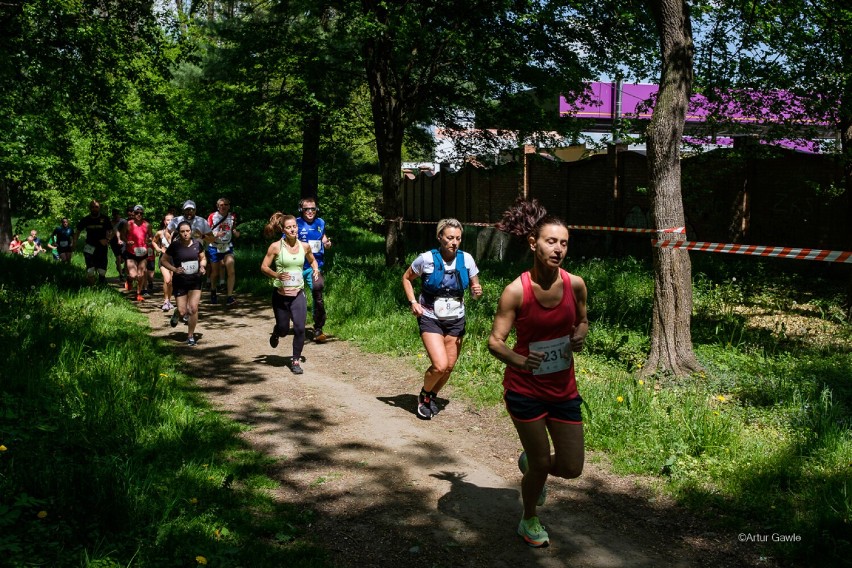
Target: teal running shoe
{"points": [[533, 533]]}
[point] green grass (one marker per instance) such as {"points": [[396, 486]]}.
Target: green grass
{"points": [[110, 457], [758, 443]]}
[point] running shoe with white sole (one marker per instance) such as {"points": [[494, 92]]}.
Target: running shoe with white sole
{"points": [[296, 368], [533, 533], [424, 407], [524, 465], [191, 342], [433, 405], [173, 321]]}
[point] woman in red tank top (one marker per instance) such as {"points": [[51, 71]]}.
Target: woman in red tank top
{"points": [[547, 308]]}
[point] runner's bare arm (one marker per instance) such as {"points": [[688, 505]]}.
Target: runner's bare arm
{"points": [[581, 327], [266, 263], [507, 306], [475, 287], [407, 278]]}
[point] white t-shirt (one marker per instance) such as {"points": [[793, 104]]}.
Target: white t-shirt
{"points": [[199, 226], [424, 265]]}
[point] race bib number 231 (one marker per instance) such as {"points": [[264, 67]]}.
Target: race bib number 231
{"points": [[557, 354]]}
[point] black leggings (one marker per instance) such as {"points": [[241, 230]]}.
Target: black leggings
{"points": [[288, 308]]}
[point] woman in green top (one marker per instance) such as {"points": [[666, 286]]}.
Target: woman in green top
{"points": [[288, 297], [30, 247]]}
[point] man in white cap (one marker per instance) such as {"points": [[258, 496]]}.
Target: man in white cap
{"points": [[200, 229]]}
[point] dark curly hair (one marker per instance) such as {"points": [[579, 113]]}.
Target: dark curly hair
{"points": [[527, 217]]}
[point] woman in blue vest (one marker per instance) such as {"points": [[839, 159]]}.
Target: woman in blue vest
{"points": [[445, 273]]}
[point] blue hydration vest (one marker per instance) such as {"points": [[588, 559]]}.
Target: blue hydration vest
{"points": [[445, 284]]}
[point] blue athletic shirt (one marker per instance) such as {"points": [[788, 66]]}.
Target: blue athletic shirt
{"points": [[312, 234]]}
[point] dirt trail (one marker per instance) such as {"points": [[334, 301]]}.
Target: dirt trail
{"points": [[392, 490]]}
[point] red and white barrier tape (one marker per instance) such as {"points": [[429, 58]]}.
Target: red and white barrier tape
{"points": [[680, 230], [435, 223], [759, 250]]}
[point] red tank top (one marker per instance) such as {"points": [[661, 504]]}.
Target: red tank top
{"points": [[138, 234], [535, 323]]}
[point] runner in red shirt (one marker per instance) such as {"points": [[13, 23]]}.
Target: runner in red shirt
{"points": [[547, 308], [138, 236]]}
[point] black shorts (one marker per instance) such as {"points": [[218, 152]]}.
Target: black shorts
{"points": [[98, 258], [453, 328], [181, 284], [525, 409]]}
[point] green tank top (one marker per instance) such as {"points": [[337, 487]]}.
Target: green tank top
{"points": [[290, 264]]}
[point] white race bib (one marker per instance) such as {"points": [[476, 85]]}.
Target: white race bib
{"points": [[557, 354], [447, 308], [223, 247], [140, 251], [316, 246], [294, 279], [190, 266], [89, 249]]}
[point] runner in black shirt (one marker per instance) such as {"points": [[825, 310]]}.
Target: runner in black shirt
{"points": [[185, 258], [98, 232]]}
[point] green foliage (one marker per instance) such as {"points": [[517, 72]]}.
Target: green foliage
{"points": [[107, 463], [68, 74]]}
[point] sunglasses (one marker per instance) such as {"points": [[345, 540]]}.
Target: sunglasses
{"points": [[309, 208]]}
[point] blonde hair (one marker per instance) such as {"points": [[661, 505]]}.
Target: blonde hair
{"points": [[451, 223]]}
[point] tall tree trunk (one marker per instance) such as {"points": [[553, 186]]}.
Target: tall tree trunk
{"points": [[671, 341], [388, 118], [310, 155], [182, 16], [5, 216], [846, 153]]}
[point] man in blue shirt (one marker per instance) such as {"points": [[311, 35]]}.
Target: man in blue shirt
{"points": [[312, 231]]}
